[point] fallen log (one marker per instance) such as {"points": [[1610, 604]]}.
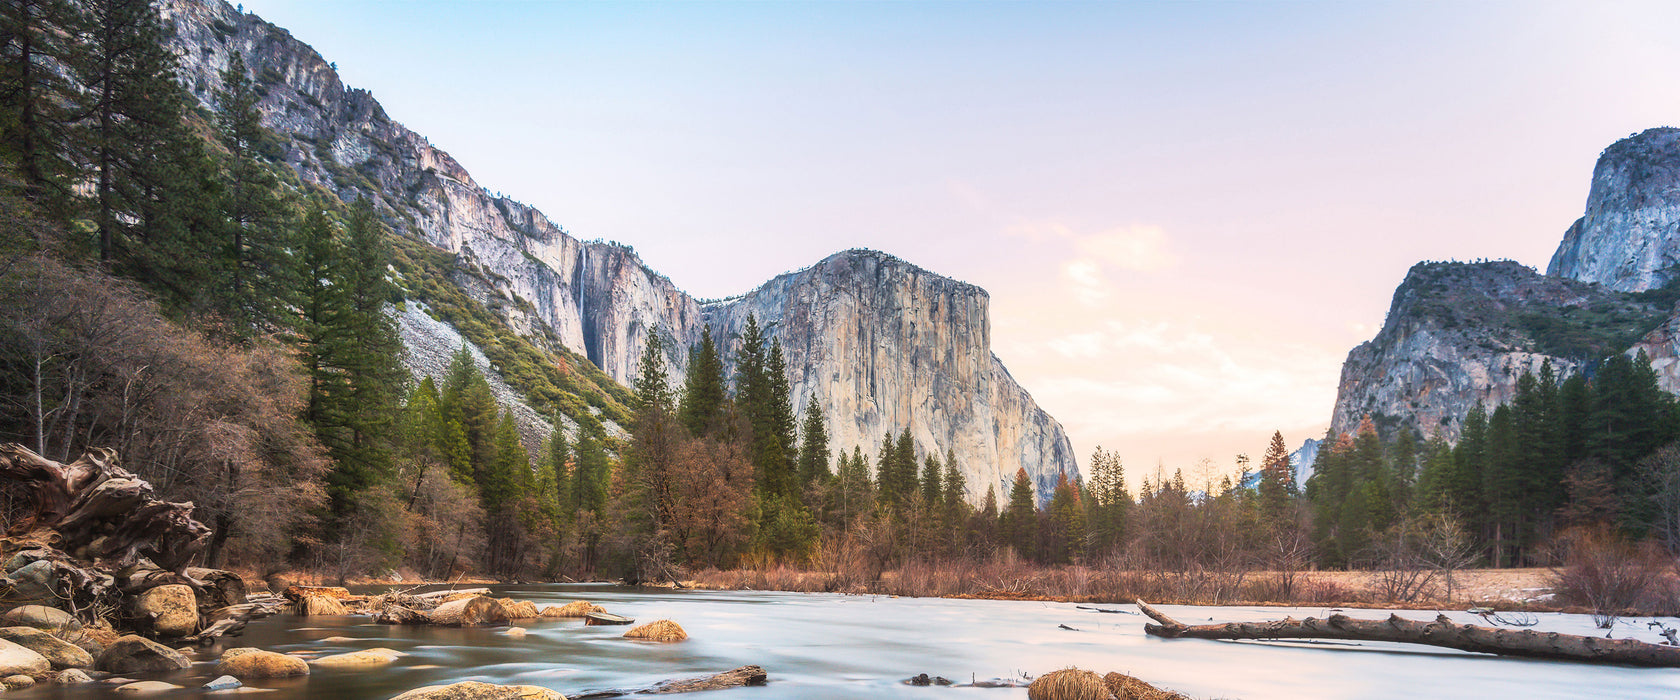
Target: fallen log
{"points": [[394, 614], [1442, 632], [734, 678], [439, 595]]}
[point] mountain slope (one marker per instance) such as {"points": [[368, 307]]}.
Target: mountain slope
{"points": [[1458, 334], [882, 344]]}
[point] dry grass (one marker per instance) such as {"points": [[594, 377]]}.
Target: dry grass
{"points": [[1006, 577], [1125, 687], [519, 609], [1068, 684], [576, 608], [658, 631]]}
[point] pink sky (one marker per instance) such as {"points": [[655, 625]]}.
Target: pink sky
{"points": [[1186, 213]]}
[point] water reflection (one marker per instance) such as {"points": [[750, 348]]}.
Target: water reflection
{"points": [[831, 646]]}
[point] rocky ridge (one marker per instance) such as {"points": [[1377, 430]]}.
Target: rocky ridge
{"points": [[893, 346], [1458, 334]]}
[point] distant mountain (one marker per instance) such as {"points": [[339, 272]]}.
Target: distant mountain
{"points": [[1461, 333], [881, 343]]}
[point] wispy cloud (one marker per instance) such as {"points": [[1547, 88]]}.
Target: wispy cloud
{"points": [[1136, 247]]}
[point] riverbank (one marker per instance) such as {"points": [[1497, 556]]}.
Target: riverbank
{"points": [[1529, 589]]}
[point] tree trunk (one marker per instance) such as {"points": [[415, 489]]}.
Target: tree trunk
{"points": [[1442, 632]]}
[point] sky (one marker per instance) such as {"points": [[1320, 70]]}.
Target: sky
{"points": [[1186, 213]]}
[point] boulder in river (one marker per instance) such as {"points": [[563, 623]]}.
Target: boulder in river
{"points": [[377, 656], [60, 653], [173, 610], [1068, 684], [466, 612], [147, 687], [17, 682], [658, 631], [40, 617], [136, 654], [320, 605], [474, 690], [73, 676], [246, 663], [16, 659], [223, 683]]}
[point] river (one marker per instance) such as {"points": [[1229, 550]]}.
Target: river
{"points": [[837, 646]]}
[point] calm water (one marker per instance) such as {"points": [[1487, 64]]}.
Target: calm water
{"points": [[833, 646]]}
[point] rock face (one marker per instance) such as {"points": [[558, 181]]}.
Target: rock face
{"points": [[881, 343], [1629, 238], [1461, 333], [1458, 334]]}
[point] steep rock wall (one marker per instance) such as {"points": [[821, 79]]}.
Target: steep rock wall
{"points": [[1629, 238], [895, 346]]}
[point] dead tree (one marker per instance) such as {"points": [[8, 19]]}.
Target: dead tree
{"points": [[101, 512], [1442, 632]]}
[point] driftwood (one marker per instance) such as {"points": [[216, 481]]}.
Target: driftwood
{"points": [[1442, 632], [100, 512], [394, 614], [466, 612], [735, 678], [440, 595]]}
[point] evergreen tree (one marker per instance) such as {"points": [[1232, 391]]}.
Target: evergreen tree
{"points": [[38, 38], [589, 474], [560, 456], [1277, 482], [257, 259], [813, 447], [130, 115], [955, 487], [703, 390], [932, 481], [1019, 520]]}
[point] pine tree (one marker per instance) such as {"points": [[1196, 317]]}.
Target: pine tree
{"points": [[703, 390], [813, 447], [1019, 520], [259, 236], [130, 117], [932, 481], [1277, 482], [38, 38], [955, 487], [560, 456]]}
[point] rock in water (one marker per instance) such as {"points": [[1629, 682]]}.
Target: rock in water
{"points": [[18, 682], [246, 663], [1068, 684], [136, 654], [60, 653], [147, 688], [223, 683], [15, 659], [72, 676], [466, 612], [474, 690], [41, 617], [378, 656], [173, 610]]}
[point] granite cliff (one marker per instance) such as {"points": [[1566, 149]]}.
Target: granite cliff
{"points": [[881, 343], [1458, 334]]}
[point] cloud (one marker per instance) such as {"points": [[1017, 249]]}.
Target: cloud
{"points": [[1137, 247], [1087, 282], [1140, 248]]}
